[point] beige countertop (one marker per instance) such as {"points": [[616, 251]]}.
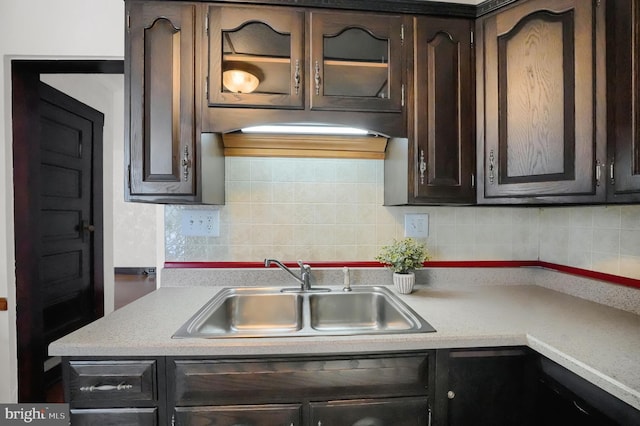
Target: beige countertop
{"points": [[599, 343]]}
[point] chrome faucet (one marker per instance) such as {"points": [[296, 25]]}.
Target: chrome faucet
{"points": [[305, 272]]}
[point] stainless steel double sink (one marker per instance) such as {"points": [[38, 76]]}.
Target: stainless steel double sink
{"points": [[271, 312]]}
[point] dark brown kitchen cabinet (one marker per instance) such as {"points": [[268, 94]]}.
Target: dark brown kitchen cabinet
{"points": [[169, 159], [492, 386], [120, 391], [442, 122], [160, 82], [372, 412], [437, 164], [266, 43], [541, 106], [372, 389], [623, 90], [245, 415], [114, 417], [356, 62], [301, 65]]}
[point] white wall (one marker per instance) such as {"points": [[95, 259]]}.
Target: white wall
{"points": [[61, 29]]}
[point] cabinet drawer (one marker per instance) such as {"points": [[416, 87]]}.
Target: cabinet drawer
{"points": [[113, 380], [244, 415], [202, 382], [382, 412], [115, 417]]}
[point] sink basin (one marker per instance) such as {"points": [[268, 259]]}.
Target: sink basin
{"points": [[269, 312], [247, 312], [360, 311]]}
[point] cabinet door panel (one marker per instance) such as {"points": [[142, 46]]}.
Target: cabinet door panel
{"points": [[114, 417], [443, 119], [484, 387], [540, 137], [113, 380], [356, 62], [206, 382], [382, 412], [267, 43], [623, 58], [240, 415], [161, 71]]}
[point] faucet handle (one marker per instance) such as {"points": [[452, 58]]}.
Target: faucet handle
{"points": [[303, 266]]}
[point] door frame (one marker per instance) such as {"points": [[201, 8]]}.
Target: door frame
{"points": [[25, 78]]}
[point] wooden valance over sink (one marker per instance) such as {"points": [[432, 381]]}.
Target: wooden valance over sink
{"points": [[304, 146]]}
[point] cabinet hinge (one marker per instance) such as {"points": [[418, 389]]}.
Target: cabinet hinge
{"points": [[206, 87], [129, 177], [402, 35], [473, 180], [206, 24], [402, 96], [472, 38], [128, 21]]}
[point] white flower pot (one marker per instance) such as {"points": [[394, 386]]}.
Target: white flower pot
{"points": [[404, 282]]}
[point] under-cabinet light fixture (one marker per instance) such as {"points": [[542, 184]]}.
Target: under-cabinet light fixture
{"points": [[305, 130]]}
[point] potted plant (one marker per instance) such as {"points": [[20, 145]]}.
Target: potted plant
{"points": [[403, 257]]}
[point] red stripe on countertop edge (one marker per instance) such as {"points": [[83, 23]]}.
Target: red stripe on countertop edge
{"points": [[601, 276]]}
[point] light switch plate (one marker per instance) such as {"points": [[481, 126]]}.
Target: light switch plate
{"points": [[416, 225], [201, 223]]}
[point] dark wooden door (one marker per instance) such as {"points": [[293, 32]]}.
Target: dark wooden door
{"points": [[160, 89], [623, 89], [58, 225], [443, 161], [543, 103]]}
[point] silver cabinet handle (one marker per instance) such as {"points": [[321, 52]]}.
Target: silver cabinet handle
{"points": [[186, 162], [491, 166], [423, 167], [598, 172], [612, 175], [316, 78], [296, 77], [106, 388], [451, 394]]}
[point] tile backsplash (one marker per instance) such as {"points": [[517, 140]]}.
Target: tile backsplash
{"points": [[331, 209]]}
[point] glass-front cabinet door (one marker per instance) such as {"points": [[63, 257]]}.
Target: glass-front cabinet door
{"points": [[356, 62], [255, 57]]}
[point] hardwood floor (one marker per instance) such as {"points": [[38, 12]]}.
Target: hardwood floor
{"points": [[128, 287]]}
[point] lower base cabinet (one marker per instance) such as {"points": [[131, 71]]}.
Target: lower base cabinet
{"points": [[236, 415], [395, 412], [341, 390], [487, 386], [115, 417]]}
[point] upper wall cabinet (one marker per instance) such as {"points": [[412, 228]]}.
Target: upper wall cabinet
{"points": [[315, 65], [356, 62], [541, 106], [437, 165], [164, 149], [442, 120], [256, 57], [623, 60], [161, 85]]}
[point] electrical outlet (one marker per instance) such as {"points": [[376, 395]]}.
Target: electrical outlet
{"points": [[201, 223], [416, 225]]}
